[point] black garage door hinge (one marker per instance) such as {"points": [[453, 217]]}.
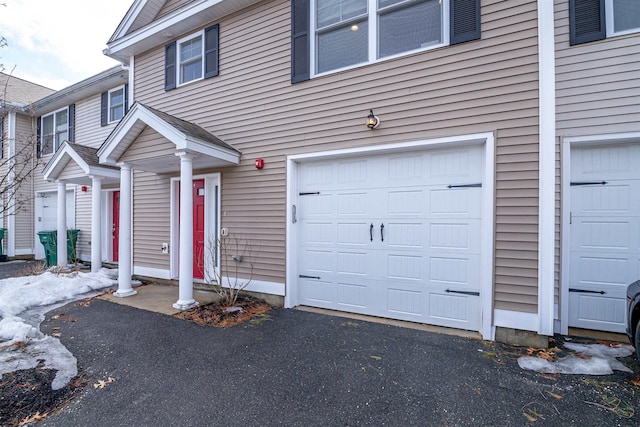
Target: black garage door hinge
{"points": [[586, 291], [450, 291], [464, 185], [573, 184]]}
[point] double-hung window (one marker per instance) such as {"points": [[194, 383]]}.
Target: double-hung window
{"points": [[192, 58], [593, 20], [330, 35], [54, 131], [116, 104], [113, 105], [350, 32]]}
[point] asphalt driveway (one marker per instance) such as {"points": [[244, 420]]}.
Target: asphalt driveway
{"points": [[301, 368]]}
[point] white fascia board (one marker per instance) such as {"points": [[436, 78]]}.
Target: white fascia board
{"points": [[209, 149], [165, 28]]}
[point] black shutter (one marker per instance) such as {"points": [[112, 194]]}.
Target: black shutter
{"points": [[72, 123], [170, 66], [104, 108], [586, 21], [211, 50], [126, 98], [464, 21], [299, 41], [38, 136], [1, 138]]}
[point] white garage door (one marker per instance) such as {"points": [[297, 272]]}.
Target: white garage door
{"points": [[605, 234], [395, 236]]}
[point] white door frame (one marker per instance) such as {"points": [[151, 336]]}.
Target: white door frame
{"points": [[39, 250], [487, 235], [565, 233], [211, 218]]}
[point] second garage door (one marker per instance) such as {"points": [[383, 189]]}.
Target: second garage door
{"points": [[395, 236]]}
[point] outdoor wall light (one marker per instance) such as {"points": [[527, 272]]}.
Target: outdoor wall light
{"points": [[373, 121]]}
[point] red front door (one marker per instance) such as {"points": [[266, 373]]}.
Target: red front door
{"points": [[198, 229], [116, 224]]}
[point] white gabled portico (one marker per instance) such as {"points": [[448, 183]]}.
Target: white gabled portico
{"points": [[78, 164], [195, 148]]}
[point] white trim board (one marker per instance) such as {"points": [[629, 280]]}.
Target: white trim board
{"points": [[487, 140]]}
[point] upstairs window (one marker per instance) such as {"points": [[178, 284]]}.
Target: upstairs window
{"points": [[192, 58], [329, 35], [625, 16], [593, 20], [113, 105], [54, 131], [350, 32], [116, 104]]}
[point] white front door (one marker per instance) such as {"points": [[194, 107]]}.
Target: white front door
{"points": [[605, 234], [395, 236], [47, 215]]}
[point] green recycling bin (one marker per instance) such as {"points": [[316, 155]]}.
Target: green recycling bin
{"points": [[2, 231], [49, 242]]}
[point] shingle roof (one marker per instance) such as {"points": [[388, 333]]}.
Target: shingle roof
{"points": [[190, 129], [16, 90], [88, 154]]}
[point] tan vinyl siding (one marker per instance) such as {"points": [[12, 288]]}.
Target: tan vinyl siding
{"points": [[597, 84], [83, 222], [488, 85], [151, 220], [171, 5], [88, 131], [597, 92], [148, 144]]}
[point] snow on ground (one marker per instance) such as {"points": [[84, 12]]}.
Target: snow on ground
{"points": [[589, 359], [23, 304]]}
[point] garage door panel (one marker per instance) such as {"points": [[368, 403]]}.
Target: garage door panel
{"points": [[455, 202], [612, 199], [614, 161], [605, 234], [401, 241]]}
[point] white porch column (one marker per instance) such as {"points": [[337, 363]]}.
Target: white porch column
{"points": [[124, 238], [96, 235], [61, 245], [185, 282]]}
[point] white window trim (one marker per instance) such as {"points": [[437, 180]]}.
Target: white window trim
{"points": [[53, 113], [178, 57], [124, 107], [609, 12], [372, 10]]}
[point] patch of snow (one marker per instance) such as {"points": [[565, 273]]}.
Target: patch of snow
{"points": [[595, 359], [23, 303]]}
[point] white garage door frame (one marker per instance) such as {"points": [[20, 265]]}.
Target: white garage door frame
{"points": [[486, 140], [565, 253]]}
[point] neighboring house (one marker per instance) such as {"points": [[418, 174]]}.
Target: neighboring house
{"points": [[71, 124], [452, 207], [18, 162]]}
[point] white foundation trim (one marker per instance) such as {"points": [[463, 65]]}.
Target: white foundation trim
{"points": [[487, 140], [157, 273], [516, 320], [272, 288]]}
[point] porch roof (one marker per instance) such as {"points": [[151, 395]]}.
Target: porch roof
{"points": [[85, 158], [187, 137]]}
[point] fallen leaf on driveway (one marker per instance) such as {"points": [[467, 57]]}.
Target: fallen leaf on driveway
{"points": [[102, 384], [30, 420]]}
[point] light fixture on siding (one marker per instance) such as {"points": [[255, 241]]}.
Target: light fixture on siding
{"points": [[373, 121]]}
